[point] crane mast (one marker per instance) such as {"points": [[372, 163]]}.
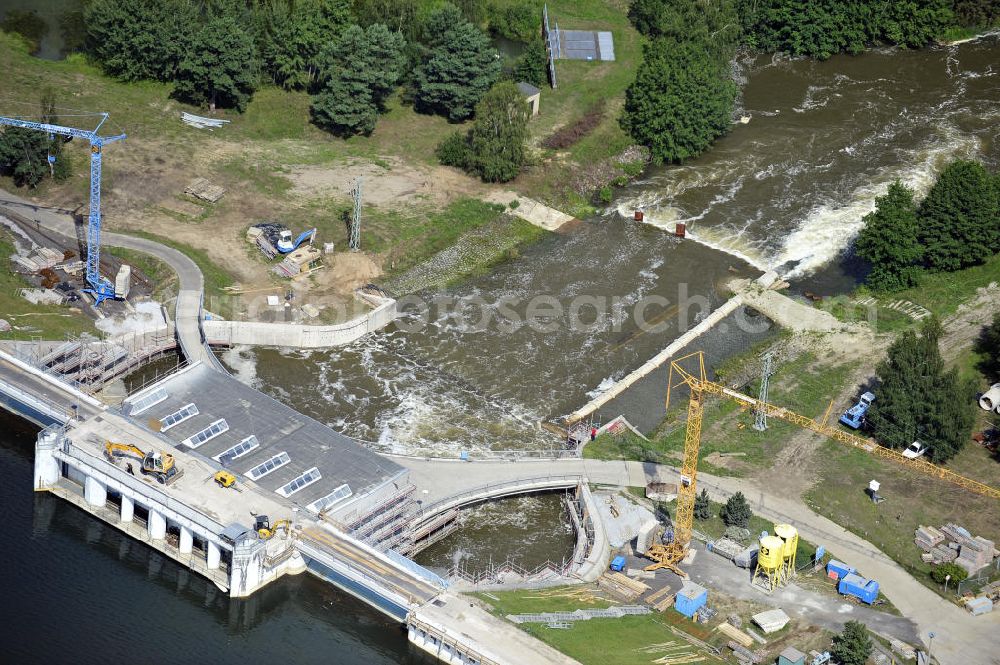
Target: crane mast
{"points": [[101, 288], [670, 554]]}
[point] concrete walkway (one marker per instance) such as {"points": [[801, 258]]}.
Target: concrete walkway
{"points": [[187, 308], [531, 210], [960, 638]]}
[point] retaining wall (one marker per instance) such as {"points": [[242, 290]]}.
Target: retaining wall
{"points": [[298, 335]]}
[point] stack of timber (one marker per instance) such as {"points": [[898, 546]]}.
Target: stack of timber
{"points": [[201, 122], [661, 600], [928, 537], [975, 554], [735, 634], [621, 586]]}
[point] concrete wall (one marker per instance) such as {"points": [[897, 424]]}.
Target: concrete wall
{"points": [[297, 335]]}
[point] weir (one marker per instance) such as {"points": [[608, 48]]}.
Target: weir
{"points": [[651, 365], [342, 508]]}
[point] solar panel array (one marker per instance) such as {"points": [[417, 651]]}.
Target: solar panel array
{"points": [[339, 494], [146, 402], [178, 416], [239, 450], [207, 434], [307, 478], [276, 462]]}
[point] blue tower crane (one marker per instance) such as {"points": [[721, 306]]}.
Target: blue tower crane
{"points": [[101, 288]]}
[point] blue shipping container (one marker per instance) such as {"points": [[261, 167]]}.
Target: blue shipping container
{"points": [[839, 568], [691, 598], [859, 587]]}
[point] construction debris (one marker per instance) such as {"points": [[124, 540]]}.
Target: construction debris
{"points": [[661, 599], [979, 606], [302, 261], [726, 548], [903, 649], [201, 122], [953, 543], [200, 188], [581, 615], [771, 621]]}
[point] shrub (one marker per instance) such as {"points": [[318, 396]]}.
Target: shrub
{"points": [[454, 150], [956, 573]]}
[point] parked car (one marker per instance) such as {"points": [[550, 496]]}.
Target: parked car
{"points": [[915, 450]]}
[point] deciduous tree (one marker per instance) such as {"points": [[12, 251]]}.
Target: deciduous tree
{"points": [[681, 100], [499, 134], [219, 67], [889, 242]]}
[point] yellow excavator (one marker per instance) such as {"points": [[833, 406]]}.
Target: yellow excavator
{"points": [[153, 463], [266, 530]]}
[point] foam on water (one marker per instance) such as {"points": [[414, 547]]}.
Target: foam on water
{"points": [[145, 316]]}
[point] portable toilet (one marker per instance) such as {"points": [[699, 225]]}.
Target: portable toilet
{"points": [[791, 656], [691, 598], [618, 563]]}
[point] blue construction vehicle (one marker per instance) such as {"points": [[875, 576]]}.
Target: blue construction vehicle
{"points": [[618, 563], [285, 243], [854, 417]]}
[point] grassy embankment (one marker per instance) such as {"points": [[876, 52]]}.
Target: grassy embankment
{"points": [[34, 321], [252, 157], [729, 445], [940, 293], [637, 639]]}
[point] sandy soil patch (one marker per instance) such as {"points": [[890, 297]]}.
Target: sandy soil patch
{"points": [[400, 183]]}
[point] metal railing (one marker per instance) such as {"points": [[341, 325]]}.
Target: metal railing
{"points": [[490, 490]]}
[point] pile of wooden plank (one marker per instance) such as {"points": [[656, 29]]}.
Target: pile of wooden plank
{"points": [[975, 554], [38, 259], [735, 634], [201, 122], [660, 600], [621, 586], [927, 537]]}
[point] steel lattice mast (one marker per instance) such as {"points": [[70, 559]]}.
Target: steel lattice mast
{"points": [[101, 288]]}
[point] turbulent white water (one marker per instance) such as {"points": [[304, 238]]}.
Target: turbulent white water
{"points": [[789, 190]]}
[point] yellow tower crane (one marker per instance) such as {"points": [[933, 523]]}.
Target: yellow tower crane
{"points": [[669, 555]]}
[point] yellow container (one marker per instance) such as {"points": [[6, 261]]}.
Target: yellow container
{"points": [[771, 554], [789, 536]]}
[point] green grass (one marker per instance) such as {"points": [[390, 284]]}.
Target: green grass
{"points": [[28, 321], [598, 641], [216, 277], [727, 429], [912, 499]]}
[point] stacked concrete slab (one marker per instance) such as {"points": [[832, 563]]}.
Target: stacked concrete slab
{"points": [[975, 554]]}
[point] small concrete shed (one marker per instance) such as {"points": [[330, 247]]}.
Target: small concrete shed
{"points": [[532, 96]]}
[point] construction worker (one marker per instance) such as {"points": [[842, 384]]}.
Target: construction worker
{"points": [[128, 467], [593, 432]]}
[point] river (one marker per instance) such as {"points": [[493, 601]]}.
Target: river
{"points": [[786, 190]]}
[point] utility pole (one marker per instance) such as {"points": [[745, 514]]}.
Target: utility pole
{"points": [[760, 423], [355, 240]]}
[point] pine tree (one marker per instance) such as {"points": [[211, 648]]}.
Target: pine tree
{"points": [[291, 34], [916, 399], [736, 511], [889, 242], [140, 39], [358, 72], [959, 220], [853, 646], [702, 506], [988, 344], [461, 68]]}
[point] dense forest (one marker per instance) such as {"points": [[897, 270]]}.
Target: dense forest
{"points": [[352, 56]]}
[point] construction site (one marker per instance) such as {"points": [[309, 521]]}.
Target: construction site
{"points": [[748, 516]]}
